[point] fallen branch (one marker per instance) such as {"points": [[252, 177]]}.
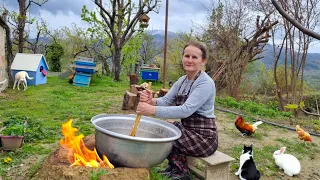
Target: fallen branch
{"points": [[309, 113]]}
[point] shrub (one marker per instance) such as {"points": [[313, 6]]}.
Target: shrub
{"points": [[53, 55], [269, 110]]}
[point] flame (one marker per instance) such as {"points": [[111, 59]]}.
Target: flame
{"points": [[78, 153]]}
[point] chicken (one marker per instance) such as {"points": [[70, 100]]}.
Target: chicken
{"points": [[246, 128], [303, 135]]}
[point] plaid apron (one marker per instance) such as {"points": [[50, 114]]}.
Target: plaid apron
{"points": [[199, 138]]}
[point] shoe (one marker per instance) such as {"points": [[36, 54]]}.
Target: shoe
{"points": [[177, 176], [166, 172]]}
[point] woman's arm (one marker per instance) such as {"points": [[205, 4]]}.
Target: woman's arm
{"points": [[200, 95], [167, 100], [170, 97]]}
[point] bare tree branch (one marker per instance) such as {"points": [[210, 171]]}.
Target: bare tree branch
{"points": [[39, 4], [294, 22], [99, 4]]}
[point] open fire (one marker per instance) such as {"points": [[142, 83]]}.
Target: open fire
{"points": [[78, 153]]}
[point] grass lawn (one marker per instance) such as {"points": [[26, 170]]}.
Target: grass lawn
{"points": [[47, 106]]}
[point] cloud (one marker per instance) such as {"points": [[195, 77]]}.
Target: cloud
{"points": [[54, 6], [60, 19], [182, 13]]}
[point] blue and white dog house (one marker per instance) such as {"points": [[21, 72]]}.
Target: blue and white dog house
{"points": [[34, 64]]}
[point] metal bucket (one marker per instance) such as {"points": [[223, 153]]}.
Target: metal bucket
{"points": [[151, 145]]}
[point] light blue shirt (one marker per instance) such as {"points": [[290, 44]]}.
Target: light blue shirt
{"points": [[201, 98]]}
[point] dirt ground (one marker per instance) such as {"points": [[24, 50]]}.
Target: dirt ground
{"points": [[56, 166], [230, 137]]}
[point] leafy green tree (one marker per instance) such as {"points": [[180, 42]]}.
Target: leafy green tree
{"points": [[54, 54], [74, 41], [77, 41], [38, 45], [131, 53], [119, 22], [265, 80], [19, 21], [149, 49], [174, 67]]}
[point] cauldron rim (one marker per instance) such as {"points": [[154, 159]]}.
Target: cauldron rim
{"points": [[102, 117]]}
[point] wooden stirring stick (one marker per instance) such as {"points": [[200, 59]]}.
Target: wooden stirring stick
{"points": [[135, 126], [136, 122]]}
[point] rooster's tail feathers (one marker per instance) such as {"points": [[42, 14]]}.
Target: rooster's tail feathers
{"points": [[256, 124]]}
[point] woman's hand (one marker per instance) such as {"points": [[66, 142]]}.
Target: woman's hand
{"points": [[146, 96], [144, 108]]}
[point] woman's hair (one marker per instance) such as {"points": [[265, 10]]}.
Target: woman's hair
{"points": [[199, 45]]}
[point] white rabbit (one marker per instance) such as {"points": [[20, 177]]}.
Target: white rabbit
{"points": [[287, 162]]}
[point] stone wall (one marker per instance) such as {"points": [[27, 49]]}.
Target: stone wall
{"points": [[3, 74], [2, 54]]}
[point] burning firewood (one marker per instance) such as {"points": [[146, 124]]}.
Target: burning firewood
{"points": [[78, 153]]}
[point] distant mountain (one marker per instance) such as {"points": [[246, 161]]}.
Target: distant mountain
{"points": [[158, 36], [43, 39], [312, 67], [313, 59]]}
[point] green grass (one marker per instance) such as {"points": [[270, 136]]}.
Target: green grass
{"points": [[300, 150]]}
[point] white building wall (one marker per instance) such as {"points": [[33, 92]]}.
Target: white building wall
{"points": [[3, 73]]}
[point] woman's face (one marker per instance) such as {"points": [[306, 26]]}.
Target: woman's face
{"points": [[192, 59]]}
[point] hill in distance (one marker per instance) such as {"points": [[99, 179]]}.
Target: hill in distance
{"points": [[312, 67]]}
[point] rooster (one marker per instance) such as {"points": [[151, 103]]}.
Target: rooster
{"points": [[246, 128], [305, 136]]}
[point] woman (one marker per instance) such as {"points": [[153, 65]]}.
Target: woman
{"points": [[193, 96]]}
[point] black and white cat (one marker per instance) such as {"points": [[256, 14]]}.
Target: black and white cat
{"points": [[247, 169]]}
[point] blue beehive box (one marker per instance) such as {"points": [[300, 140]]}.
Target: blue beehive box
{"points": [[85, 66], [82, 79], [150, 74]]}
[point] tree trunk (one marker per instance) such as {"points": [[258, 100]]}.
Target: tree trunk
{"points": [[117, 64], [21, 24], [102, 68]]}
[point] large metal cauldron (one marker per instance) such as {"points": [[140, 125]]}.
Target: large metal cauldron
{"points": [[151, 145]]}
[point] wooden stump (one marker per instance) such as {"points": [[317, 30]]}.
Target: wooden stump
{"points": [[129, 101], [163, 92], [133, 89], [133, 79]]}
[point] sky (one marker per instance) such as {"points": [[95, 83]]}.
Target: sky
{"points": [[59, 13], [183, 14]]}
